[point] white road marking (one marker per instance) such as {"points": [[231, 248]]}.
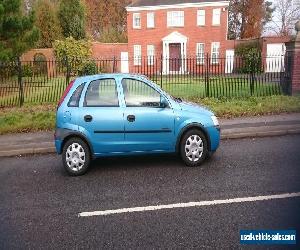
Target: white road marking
{"points": [[189, 204]]}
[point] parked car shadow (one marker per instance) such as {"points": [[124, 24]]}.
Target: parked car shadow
{"points": [[139, 162]]}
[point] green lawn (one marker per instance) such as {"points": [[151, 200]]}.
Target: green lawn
{"points": [[42, 117], [48, 90]]}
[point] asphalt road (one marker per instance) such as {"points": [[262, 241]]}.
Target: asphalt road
{"points": [[39, 203]]}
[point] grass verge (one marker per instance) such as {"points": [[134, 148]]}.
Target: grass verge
{"points": [[42, 117]]}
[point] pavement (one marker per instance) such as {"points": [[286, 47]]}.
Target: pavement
{"points": [[273, 125], [40, 204]]}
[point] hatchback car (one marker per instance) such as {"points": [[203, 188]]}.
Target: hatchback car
{"points": [[122, 114]]}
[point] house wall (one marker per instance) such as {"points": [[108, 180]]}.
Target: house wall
{"points": [[196, 34]]}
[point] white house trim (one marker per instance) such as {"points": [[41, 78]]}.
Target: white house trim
{"points": [[179, 6], [174, 37]]}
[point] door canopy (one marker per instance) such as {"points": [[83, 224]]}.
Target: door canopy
{"points": [[175, 37]]}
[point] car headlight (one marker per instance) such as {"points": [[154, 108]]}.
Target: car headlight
{"points": [[215, 121]]}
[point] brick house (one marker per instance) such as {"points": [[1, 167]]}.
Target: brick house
{"points": [[176, 29], [165, 35]]}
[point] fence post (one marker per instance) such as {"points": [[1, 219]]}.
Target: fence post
{"points": [[114, 64], [68, 72], [206, 77], [293, 71], [161, 70], [252, 72], [21, 90]]}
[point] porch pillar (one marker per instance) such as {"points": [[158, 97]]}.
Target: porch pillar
{"points": [[182, 57], [293, 52]]}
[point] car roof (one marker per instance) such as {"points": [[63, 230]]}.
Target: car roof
{"points": [[112, 75]]}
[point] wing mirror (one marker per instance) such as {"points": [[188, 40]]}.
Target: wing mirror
{"points": [[163, 102]]}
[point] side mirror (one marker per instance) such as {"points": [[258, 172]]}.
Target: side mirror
{"points": [[163, 102]]}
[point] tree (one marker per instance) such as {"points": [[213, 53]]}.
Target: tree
{"points": [[71, 15], [47, 23], [287, 13], [106, 15], [113, 35], [248, 17], [17, 31]]}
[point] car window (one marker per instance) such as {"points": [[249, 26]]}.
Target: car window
{"points": [[139, 94], [102, 93], [74, 100]]}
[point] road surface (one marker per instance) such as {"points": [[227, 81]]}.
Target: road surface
{"points": [[41, 206]]}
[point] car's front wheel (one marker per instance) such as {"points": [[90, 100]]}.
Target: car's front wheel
{"points": [[76, 157], [193, 148]]}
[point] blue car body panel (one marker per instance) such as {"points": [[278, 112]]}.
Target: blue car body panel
{"points": [[155, 130]]}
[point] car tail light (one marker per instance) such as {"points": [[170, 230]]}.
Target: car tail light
{"points": [[65, 93]]}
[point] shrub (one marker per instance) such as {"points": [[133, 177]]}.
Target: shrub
{"points": [[72, 53], [249, 54], [89, 68], [27, 71]]}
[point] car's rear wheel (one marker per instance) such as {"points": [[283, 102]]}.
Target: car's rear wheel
{"points": [[76, 157], [193, 148]]}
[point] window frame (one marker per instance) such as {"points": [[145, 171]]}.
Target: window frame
{"points": [[152, 26], [82, 85], [138, 80], [171, 18], [150, 58], [199, 17], [217, 59], [137, 59], [134, 15], [200, 60], [218, 23], [102, 106]]}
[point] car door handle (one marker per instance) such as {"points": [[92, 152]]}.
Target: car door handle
{"points": [[131, 118], [88, 118]]}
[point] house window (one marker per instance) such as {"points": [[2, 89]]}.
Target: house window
{"points": [[136, 20], [150, 20], [201, 17], [200, 53], [150, 54], [215, 53], [137, 54], [216, 17], [175, 18]]}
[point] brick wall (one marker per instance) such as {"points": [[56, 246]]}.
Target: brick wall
{"points": [[29, 55], [99, 50], [296, 71], [108, 50]]}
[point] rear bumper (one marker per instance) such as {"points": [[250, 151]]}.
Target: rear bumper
{"points": [[214, 134]]}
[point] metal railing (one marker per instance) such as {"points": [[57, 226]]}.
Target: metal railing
{"points": [[189, 77]]}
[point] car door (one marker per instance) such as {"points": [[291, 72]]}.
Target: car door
{"points": [[149, 126], [101, 117]]}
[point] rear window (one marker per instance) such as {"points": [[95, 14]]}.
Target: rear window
{"points": [[74, 100], [102, 93]]}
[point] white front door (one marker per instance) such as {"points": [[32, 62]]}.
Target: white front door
{"points": [[124, 62], [229, 61], [275, 57]]}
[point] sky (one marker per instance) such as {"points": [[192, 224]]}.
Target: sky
{"points": [[276, 19]]}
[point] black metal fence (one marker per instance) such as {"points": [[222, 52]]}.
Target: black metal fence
{"points": [[189, 77]]}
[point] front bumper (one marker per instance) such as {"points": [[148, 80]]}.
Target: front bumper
{"points": [[214, 134], [58, 146]]}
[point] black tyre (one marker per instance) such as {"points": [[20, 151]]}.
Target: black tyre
{"points": [[76, 157], [193, 148]]}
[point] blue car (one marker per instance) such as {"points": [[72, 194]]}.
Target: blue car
{"points": [[123, 114]]}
